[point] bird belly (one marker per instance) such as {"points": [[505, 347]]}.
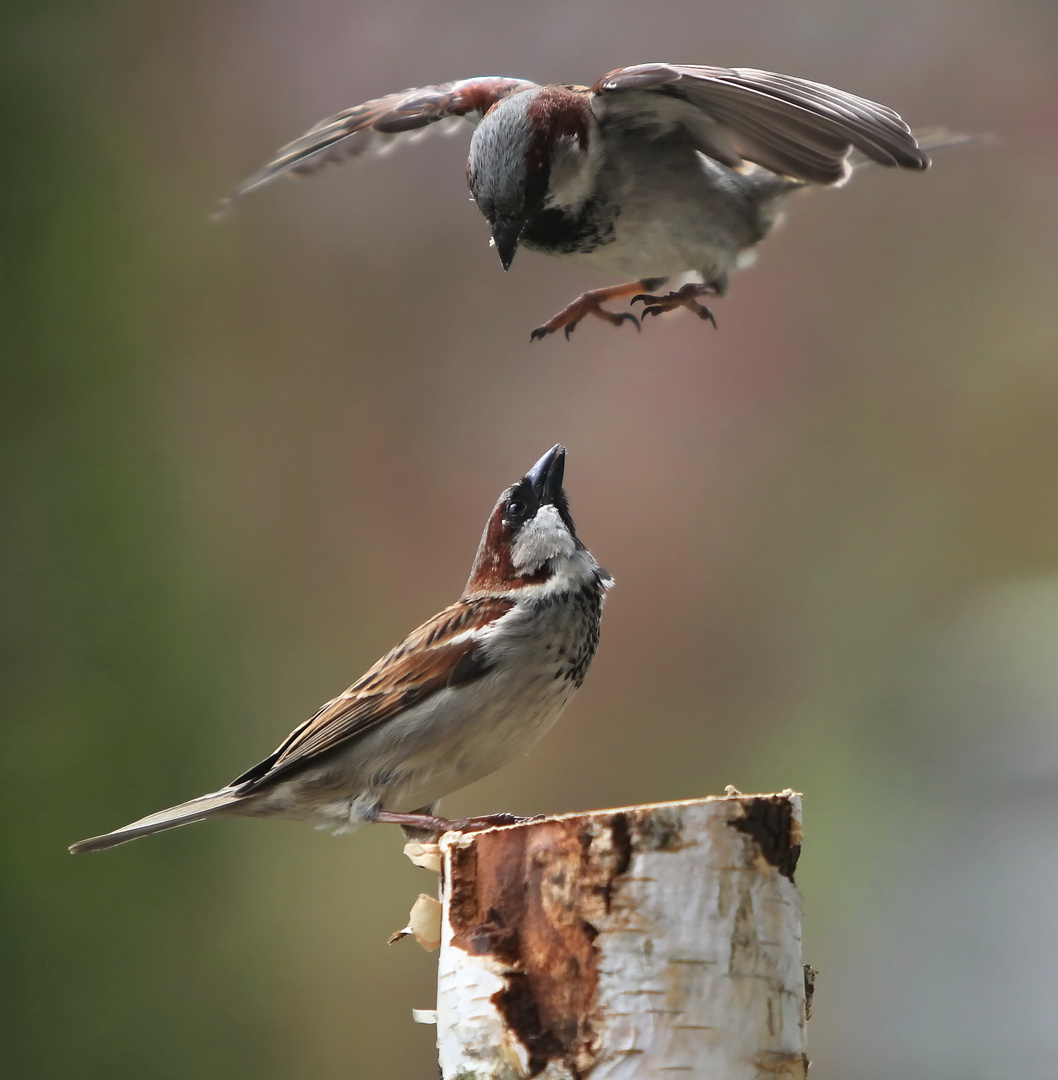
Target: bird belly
{"points": [[475, 736], [538, 657], [453, 738], [668, 210], [648, 246], [488, 723]]}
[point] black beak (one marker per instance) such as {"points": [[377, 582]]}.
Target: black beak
{"points": [[506, 232], [546, 475]]}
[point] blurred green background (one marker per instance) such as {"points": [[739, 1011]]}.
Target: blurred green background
{"points": [[242, 460]]}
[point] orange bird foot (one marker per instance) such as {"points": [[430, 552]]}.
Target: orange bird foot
{"points": [[590, 303], [686, 297]]}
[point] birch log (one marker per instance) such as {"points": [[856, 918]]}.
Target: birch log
{"points": [[657, 941]]}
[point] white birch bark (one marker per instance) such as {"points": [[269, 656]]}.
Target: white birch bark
{"points": [[659, 941]]}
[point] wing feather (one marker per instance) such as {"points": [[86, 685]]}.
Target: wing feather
{"points": [[376, 126], [798, 128], [445, 651]]}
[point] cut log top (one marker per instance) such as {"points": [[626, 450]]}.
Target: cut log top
{"points": [[648, 941]]}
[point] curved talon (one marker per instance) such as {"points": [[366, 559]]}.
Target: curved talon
{"points": [[485, 821], [686, 297], [590, 303]]}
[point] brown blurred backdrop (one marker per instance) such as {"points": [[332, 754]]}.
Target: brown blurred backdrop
{"points": [[242, 460]]}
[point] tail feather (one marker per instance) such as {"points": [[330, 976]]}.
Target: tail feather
{"points": [[193, 810]]}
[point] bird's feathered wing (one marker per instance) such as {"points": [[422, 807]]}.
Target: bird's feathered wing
{"points": [[801, 129], [446, 651], [378, 125]]}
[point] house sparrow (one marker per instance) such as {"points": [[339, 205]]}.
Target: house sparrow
{"points": [[471, 689], [656, 170]]}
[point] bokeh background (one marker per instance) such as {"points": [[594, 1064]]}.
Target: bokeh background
{"points": [[242, 460]]}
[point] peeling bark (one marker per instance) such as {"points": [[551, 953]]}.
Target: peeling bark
{"points": [[651, 941]]}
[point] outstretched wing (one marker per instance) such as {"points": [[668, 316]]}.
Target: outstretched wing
{"points": [[376, 126], [793, 127], [446, 651]]}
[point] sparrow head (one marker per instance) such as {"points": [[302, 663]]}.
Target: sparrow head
{"points": [[525, 151], [530, 540]]}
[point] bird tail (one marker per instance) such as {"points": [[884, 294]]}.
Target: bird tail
{"points": [[194, 810]]}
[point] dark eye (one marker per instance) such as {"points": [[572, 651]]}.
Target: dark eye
{"points": [[515, 508]]}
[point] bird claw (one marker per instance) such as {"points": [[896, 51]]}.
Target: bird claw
{"points": [[487, 821], [686, 297], [614, 317], [422, 822], [590, 303]]}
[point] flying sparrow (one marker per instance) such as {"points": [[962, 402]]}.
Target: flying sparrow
{"points": [[656, 170], [466, 692]]}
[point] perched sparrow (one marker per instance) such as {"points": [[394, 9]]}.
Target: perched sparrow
{"points": [[656, 170], [468, 691]]}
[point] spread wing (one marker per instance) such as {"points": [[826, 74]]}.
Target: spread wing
{"points": [[445, 651], [793, 127], [378, 125]]}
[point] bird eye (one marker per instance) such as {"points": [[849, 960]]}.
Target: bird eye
{"points": [[515, 508]]}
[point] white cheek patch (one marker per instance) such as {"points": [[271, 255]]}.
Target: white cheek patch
{"points": [[545, 537], [573, 173]]}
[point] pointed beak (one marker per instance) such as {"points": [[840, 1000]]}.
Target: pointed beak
{"points": [[546, 475], [506, 232]]}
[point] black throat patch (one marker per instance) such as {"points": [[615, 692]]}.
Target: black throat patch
{"points": [[558, 232]]}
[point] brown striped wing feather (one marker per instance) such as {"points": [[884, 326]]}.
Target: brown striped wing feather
{"points": [[376, 126], [431, 658]]}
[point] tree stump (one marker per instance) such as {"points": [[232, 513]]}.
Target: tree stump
{"points": [[653, 941]]}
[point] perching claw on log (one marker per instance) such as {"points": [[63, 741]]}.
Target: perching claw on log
{"points": [[655, 941]]}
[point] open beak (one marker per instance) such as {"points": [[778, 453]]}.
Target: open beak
{"points": [[546, 475], [506, 232]]}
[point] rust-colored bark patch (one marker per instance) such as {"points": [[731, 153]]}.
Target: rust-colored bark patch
{"points": [[530, 899], [770, 822]]}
